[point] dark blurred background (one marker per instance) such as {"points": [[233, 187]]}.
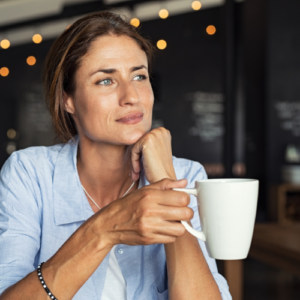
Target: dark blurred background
{"points": [[226, 84]]}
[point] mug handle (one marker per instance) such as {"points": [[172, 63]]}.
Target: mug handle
{"points": [[198, 234]]}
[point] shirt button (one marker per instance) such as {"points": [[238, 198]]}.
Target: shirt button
{"points": [[120, 251]]}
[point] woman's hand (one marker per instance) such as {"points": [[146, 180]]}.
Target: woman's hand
{"points": [[146, 216], [155, 147]]}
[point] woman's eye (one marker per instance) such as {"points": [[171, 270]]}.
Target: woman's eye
{"points": [[140, 77], [105, 82]]}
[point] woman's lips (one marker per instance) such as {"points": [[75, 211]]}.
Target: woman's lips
{"points": [[132, 118]]}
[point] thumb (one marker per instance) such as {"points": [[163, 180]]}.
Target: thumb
{"points": [[168, 184]]}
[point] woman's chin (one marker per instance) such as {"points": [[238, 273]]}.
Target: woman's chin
{"points": [[133, 137]]}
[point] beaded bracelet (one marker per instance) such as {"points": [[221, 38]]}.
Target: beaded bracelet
{"points": [[39, 272]]}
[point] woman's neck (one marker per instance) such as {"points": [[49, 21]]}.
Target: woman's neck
{"points": [[104, 170]]}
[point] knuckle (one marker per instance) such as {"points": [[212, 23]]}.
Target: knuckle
{"points": [[185, 199], [145, 208], [147, 137], [146, 211], [142, 211], [142, 228], [164, 131], [181, 230], [170, 240], [146, 195], [188, 199], [173, 239], [165, 181], [144, 240], [188, 213], [191, 213], [159, 131], [151, 136]]}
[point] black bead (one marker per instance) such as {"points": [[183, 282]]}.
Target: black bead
{"points": [[39, 272]]}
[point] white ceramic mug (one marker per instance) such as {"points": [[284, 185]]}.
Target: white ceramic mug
{"points": [[227, 209]]}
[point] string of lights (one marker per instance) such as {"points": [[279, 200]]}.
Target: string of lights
{"points": [[161, 44]]}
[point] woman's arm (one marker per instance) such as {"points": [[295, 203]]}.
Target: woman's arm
{"points": [[188, 273], [189, 276], [67, 270], [140, 218], [20, 241]]}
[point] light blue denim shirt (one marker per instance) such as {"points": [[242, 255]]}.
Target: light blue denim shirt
{"points": [[42, 204]]}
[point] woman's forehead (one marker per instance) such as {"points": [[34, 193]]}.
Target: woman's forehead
{"points": [[111, 49]]}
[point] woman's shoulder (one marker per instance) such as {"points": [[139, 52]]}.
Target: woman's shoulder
{"points": [[33, 157], [189, 169]]}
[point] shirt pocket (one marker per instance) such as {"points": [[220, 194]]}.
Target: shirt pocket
{"points": [[160, 287], [163, 296]]}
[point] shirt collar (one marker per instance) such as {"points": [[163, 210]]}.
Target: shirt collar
{"points": [[68, 195], [70, 203]]}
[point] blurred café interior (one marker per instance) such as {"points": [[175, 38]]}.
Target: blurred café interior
{"points": [[226, 83]]}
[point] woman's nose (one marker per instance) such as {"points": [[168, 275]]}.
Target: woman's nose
{"points": [[129, 94]]}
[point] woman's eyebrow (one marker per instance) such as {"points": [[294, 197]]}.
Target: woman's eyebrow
{"points": [[110, 71], [138, 68]]}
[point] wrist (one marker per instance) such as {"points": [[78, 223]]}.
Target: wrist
{"points": [[101, 231]]}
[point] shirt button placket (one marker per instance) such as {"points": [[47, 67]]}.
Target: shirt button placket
{"points": [[120, 251]]}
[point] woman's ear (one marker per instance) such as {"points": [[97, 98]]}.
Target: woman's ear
{"points": [[69, 104]]}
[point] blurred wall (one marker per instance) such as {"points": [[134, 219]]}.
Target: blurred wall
{"points": [[272, 70], [22, 105], [283, 82], [188, 81]]}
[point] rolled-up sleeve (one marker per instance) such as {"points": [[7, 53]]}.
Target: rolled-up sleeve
{"points": [[19, 223], [198, 173]]}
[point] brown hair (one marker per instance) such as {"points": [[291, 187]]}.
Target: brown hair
{"points": [[64, 58]]}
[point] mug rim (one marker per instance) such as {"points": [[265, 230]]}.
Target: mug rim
{"points": [[227, 180]]}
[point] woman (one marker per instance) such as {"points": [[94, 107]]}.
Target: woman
{"points": [[99, 210]]}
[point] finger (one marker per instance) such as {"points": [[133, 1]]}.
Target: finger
{"points": [[172, 229], [165, 228], [176, 213], [165, 239], [168, 184], [157, 239], [134, 176], [133, 238], [160, 232], [164, 197], [136, 153]]}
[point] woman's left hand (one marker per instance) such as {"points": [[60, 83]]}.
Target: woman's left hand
{"points": [[155, 147]]}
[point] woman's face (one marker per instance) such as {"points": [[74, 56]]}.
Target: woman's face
{"points": [[113, 99]]}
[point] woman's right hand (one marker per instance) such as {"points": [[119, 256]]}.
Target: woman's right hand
{"points": [[146, 216]]}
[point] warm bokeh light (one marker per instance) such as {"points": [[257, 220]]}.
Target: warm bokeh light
{"points": [[161, 44], [4, 71], [37, 38], [214, 169], [135, 22], [211, 29], [31, 60], [11, 133], [196, 5], [11, 147], [163, 13], [5, 44]]}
